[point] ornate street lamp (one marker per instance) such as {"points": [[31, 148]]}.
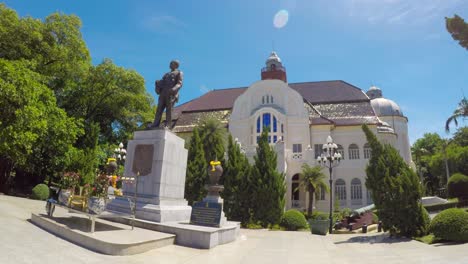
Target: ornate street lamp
{"points": [[330, 158], [120, 153]]}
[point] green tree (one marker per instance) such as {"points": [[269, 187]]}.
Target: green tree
{"points": [[33, 130], [458, 28], [313, 180], [423, 150], [461, 137], [461, 111], [213, 135], [237, 196], [114, 99], [55, 45], [395, 190], [196, 170], [268, 185]]}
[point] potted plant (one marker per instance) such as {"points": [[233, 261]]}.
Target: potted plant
{"points": [[319, 223], [67, 183], [98, 194]]}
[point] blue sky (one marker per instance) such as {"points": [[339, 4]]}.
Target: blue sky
{"points": [[401, 46]]}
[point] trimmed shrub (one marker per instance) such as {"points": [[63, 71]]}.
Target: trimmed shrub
{"points": [[293, 220], [458, 186], [451, 224], [316, 215], [40, 192]]}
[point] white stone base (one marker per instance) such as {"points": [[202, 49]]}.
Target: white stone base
{"points": [[177, 211], [161, 184]]}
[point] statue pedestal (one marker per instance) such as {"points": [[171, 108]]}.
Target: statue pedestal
{"points": [[160, 158]]}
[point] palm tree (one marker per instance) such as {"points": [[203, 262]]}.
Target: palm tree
{"points": [[213, 135], [313, 180], [461, 111]]}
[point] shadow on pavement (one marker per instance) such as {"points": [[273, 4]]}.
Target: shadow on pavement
{"points": [[82, 224], [374, 239]]}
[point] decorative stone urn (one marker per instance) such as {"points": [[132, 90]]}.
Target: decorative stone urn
{"points": [[96, 205], [214, 172], [64, 196]]}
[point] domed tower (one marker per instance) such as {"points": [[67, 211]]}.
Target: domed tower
{"points": [[274, 68], [390, 113]]}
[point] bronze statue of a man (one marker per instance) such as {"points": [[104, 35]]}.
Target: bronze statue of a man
{"points": [[168, 91]]}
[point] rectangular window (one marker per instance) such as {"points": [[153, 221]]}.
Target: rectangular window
{"points": [[353, 153], [297, 148], [340, 192], [356, 192], [322, 194], [367, 153], [275, 138], [318, 150]]}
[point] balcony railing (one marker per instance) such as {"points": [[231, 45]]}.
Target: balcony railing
{"points": [[278, 68]]}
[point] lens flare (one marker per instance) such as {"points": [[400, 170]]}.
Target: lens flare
{"points": [[281, 19]]}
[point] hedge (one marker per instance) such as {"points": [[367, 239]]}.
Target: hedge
{"points": [[293, 220], [451, 224], [40, 192], [458, 186]]}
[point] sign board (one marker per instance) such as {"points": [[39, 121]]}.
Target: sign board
{"points": [[206, 214]]}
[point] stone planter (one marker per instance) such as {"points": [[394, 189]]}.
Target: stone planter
{"points": [[96, 205], [64, 197], [319, 227]]}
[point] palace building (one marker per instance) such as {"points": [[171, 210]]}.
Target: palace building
{"points": [[300, 117]]}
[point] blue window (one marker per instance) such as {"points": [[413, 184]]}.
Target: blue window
{"points": [[258, 125], [274, 125], [267, 121], [275, 138]]}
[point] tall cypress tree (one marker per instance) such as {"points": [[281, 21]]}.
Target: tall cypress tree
{"points": [[395, 189], [236, 194], [268, 185], [196, 170]]}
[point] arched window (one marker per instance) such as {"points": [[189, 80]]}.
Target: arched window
{"points": [[340, 190], [356, 191], [295, 191], [340, 150], [367, 151], [353, 152], [270, 122]]}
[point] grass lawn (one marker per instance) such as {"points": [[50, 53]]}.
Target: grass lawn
{"points": [[429, 239]]}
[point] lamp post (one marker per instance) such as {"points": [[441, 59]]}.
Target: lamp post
{"points": [[120, 153], [330, 158]]}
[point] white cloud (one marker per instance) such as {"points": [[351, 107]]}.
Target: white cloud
{"points": [[164, 24], [408, 12]]}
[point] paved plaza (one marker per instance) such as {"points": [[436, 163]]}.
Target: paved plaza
{"points": [[23, 242]]}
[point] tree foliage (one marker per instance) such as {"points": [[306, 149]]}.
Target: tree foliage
{"points": [[460, 112], [213, 136], [237, 193], [196, 170], [458, 28], [395, 190], [58, 109], [313, 180], [268, 185]]}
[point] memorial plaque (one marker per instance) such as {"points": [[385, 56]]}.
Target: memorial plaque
{"points": [[206, 214], [143, 159]]}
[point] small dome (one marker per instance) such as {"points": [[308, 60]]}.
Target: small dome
{"points": [[273, 60], [386, 107], [374, 92]]}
